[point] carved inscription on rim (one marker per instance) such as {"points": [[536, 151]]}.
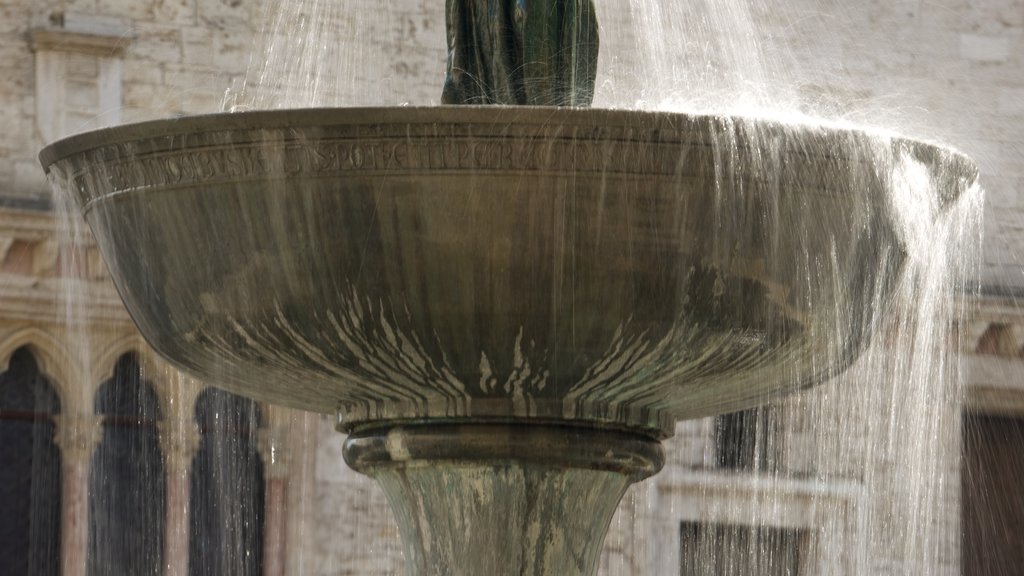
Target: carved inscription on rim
{"points": [[122, 167]]}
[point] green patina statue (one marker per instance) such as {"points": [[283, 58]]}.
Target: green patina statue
{"points": [[521, 52]]}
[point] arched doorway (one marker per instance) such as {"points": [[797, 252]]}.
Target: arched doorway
{"points": [[226, 523], [30, 475], [126, 479]]}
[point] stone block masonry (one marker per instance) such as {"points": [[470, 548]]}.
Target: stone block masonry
{"points": [[948, 69]]}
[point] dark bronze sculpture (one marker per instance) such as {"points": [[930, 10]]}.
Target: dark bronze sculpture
{"points": [[524, 52]]}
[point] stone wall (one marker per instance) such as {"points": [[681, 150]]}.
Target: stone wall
{"points": [[951, 70]]}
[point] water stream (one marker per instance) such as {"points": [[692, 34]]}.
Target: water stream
{"points": [[872, 457], [858, 475]]}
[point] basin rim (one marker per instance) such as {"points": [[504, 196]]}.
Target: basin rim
{"points": [[465, 115]]}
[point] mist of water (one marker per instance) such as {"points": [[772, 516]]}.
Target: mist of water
{"points": [[858, 475], [874, 456]]}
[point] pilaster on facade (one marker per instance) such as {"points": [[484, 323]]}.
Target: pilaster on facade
{"points": [[273, 443], [179, 442], [77, 436], [179, 433], [274, 447], [299, 519]]}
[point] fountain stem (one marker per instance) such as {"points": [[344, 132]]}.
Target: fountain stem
{"points": [[521, 52], [503, 499]]}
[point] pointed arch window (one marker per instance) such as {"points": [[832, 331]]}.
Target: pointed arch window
{"points": [[30, 471], [226, 488], [126, 479]]}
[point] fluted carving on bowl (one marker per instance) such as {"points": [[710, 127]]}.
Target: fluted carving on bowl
{"points": [[620, 268]]}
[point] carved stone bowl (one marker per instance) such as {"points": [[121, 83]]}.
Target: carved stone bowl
{"points": [[611, 268]]}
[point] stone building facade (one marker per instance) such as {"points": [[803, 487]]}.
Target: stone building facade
{"points": [[952, 70]]}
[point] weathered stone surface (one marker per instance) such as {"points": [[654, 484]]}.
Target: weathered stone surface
{"points": [[503, 499], [422, 309], [873, 52]]}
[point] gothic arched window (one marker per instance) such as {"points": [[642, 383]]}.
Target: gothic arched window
{"points": [[226, 510], [30, 475], [126, 478]]}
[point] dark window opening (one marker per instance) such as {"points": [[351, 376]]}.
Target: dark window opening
{"points": [[736, 550], [227, 489], [991, 497], [30, 471], [747, 440], [127, 486]]}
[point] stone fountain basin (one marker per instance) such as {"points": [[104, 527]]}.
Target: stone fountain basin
{"points": [[618, 268]]}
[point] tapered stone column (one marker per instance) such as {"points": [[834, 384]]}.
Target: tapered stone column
{"points": [[503, 499], [179, 442], [77, 436], [276, 456]]}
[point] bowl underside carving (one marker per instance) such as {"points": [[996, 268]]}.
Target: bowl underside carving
{"points": [[615, 267]]}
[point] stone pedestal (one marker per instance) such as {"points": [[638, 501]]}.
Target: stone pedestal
{"points": [[179, 446], [77, 436], [503, 499], [275, 453]]}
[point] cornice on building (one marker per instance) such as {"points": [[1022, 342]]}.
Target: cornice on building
{"points": [[34, 285], [81, 34], [46, 301], [60, 40]]}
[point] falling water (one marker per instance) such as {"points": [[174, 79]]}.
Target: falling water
{"points": [[872, 457], [304, 57], [859, 474]]}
